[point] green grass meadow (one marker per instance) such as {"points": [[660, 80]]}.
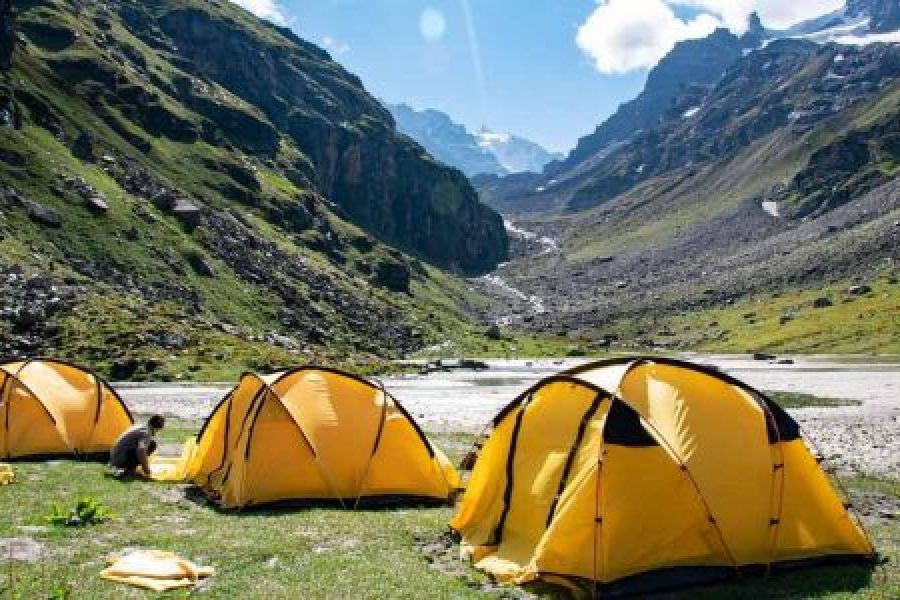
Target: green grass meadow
{"points": [[317, 552]]}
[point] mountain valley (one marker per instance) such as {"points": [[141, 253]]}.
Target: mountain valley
{"points": [[183, 184], [774, 185]]}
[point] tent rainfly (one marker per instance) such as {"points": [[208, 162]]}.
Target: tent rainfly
{"points": [[637, 474], [313, 433], [52, 408]]}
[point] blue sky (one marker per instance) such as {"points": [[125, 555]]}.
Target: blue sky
{"points": [[535, 81], [550, 70]]}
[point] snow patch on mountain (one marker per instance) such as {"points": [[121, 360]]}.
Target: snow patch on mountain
{"points": [[516, 154]]}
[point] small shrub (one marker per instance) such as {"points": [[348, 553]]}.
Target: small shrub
{"points": [[86, 511]]}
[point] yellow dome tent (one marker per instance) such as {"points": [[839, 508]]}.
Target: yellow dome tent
{"points": [[313, 433], [637, 474], [50, 408]]}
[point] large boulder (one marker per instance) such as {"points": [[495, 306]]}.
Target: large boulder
{"points": [[187, 212], [97, 204], [43, 215], [393, 275], [7, 34]]}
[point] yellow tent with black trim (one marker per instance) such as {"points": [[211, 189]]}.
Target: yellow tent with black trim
{"points": [[313, 433], [639, 473], [50, 407]]}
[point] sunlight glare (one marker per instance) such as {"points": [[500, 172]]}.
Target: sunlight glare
{"points": [[432, 24]]}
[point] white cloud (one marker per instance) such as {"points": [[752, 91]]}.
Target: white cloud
{"points": [[336, 47], [626, 35], [264, 9]]}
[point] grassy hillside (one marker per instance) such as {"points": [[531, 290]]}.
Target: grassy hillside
{"points": [[170, 211], [784, 322]]}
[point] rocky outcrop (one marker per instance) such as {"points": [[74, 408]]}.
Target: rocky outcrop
{"points": [[382, 180], [845, 169], [30, 307]]}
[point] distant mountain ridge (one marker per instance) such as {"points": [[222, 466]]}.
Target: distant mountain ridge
{"points": [[691, 63], [484, 152], [676, 90], [516, 154], [447, 141]]}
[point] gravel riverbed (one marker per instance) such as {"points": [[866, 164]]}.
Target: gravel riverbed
{"points": [[864, 438]]}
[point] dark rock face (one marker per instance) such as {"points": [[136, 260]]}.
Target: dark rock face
{"points": [[393, 275], [7, 33], [846, 169], [382, 180]]}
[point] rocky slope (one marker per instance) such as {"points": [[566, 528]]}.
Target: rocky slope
{"points": [[482, 153], [692, 63], [788, 83], [181, 179], [611, 159]]}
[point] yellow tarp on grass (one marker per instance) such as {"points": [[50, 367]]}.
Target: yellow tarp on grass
{"points": [[6, 474], [155, 570], [174, 469]]}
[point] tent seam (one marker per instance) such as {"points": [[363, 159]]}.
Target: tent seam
{"points": [[570, 458], [497, 535], [683, 465], [365, 477], [312, 449]]}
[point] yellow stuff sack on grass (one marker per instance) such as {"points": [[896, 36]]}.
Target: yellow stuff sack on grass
{"points": [[155, 570], [173, 469], [6, 474]]}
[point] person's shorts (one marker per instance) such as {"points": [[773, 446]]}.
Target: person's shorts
{"points": [[132, 462]]}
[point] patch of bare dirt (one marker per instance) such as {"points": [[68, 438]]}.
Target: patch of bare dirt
{"points": [[442, 554], [22, 549]]}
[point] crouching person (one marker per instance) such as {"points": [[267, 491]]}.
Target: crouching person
{"points": [[134, 447]]}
